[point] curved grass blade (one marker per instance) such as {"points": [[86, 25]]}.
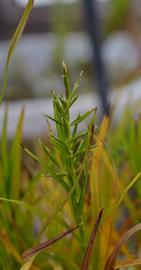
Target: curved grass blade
{"points": [[111, 261], [13, 43], [29, 207], [128, 263], [123, 194], [87, 255]]}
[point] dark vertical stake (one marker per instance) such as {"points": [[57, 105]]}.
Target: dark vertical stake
{"points": [[92, 20]]}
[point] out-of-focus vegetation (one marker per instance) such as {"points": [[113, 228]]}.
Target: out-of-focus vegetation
{"points": [[65, 37]]}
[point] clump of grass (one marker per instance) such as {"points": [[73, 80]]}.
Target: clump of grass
{"points": [[75, 202], [80, 163]]}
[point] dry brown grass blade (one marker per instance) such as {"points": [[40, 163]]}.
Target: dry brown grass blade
{"points": [[111, 261], [40, 247], [87, 255], [127, 263]]}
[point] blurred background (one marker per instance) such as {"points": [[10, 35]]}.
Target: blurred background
{"points": [[100, 37]]}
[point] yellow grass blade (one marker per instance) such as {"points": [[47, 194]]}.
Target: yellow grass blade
{"points": [[95, 167], [27, 265], [9, 246]]}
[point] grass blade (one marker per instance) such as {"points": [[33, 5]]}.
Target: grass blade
{"points": [[66, 80], [13, 43], [27, 265], [4, 141], [9, 246], [111, 261], [46, 244], [27, 206], [82, 117], [15, 160], [128, 263], [128, 187]]}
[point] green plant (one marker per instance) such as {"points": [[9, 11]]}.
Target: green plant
{"points": [[79, 190], [14, 221], [69, 155]]}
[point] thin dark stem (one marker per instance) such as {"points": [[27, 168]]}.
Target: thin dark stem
{"points": [[93, 27]]}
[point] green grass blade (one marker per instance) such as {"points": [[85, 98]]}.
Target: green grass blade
{"points": [[54, 120], [74, 93], [4, 143], [123, 194], [13, 43], [66, 80], [27, 206], [60, 144], [82, 117], [49, 153], [15, 160]]}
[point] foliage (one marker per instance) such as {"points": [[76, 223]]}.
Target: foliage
{"points": [[80, 201], [95, 167]]}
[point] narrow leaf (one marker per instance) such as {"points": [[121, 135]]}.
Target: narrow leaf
{"points": [[82, 117], [74, 93], [49, 153], [123, 194], [54, 120], [4, 154], [14, 42], [66, 80], [46, 244], [128, 263], [111, 261], [60, 144], [15, 159], [27, 265], [27, 206]]}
